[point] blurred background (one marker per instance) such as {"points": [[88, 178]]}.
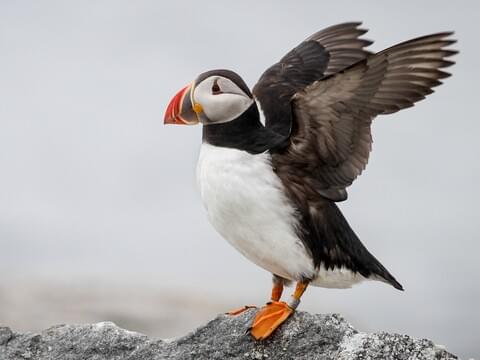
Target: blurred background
{"points": [[99, 214]]}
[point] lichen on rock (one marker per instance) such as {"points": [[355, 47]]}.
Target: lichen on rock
{"points": [[304, 336]]}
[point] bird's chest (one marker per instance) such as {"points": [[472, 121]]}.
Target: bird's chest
{"points": [[246, 204]]}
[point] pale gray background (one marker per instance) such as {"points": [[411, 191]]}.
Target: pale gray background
{"points": [[94, 190]]}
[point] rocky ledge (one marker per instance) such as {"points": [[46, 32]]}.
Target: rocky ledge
{"points": [[304, 336]]}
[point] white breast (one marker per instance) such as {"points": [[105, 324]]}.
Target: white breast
{"points": [[247, 206]]}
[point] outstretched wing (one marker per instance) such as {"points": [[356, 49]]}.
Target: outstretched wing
{"points": [[331, 138], [324, 53]]}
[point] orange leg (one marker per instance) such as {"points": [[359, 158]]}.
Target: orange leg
{"points": [[299, 290], [277, 290], [271, 316]]}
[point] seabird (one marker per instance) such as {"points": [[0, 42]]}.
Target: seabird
{"points": [[275, 160]]}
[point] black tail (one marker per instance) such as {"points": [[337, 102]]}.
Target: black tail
{"points": [[363, 260], [333, 243]]}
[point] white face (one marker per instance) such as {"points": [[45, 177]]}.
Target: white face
{"points": [[221, 100]]}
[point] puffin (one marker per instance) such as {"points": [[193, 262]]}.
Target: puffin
{"points": [[275, 160]]}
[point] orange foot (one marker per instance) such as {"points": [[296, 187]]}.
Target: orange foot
{"points": [[269, 318], [240, 310]]}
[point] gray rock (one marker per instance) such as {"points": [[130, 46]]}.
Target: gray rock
{"points": [[304, 336]]}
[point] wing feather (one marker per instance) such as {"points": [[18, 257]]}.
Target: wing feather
{"points": [[322, 54], [331, 136]]}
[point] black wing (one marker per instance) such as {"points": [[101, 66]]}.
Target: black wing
{"points": [[322, 54], [332, 139]]}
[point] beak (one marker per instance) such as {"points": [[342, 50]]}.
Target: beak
{"points": [[180, 111]]}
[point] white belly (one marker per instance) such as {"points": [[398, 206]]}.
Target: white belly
{"points": [[246, 205]]}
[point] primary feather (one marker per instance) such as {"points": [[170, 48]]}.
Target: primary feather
{"points": [[330, 137]]}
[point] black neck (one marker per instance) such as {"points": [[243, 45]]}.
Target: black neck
{"points": [[244, 133]]}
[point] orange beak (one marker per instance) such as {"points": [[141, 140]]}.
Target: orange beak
{"points": [[180, 109]]}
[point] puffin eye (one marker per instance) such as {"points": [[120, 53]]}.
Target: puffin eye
{"points": [[215, 88]]}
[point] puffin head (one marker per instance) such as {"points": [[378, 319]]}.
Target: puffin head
{"points": [[215, 97]]}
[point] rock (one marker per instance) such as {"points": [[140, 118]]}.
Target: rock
{"points": [[304, 336]]}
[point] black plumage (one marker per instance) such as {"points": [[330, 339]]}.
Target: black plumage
{"points": [[324, 53], [319, 101], [246, 133]]}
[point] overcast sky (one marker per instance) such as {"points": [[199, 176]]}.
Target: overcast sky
{"points": [[93, 186]]}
